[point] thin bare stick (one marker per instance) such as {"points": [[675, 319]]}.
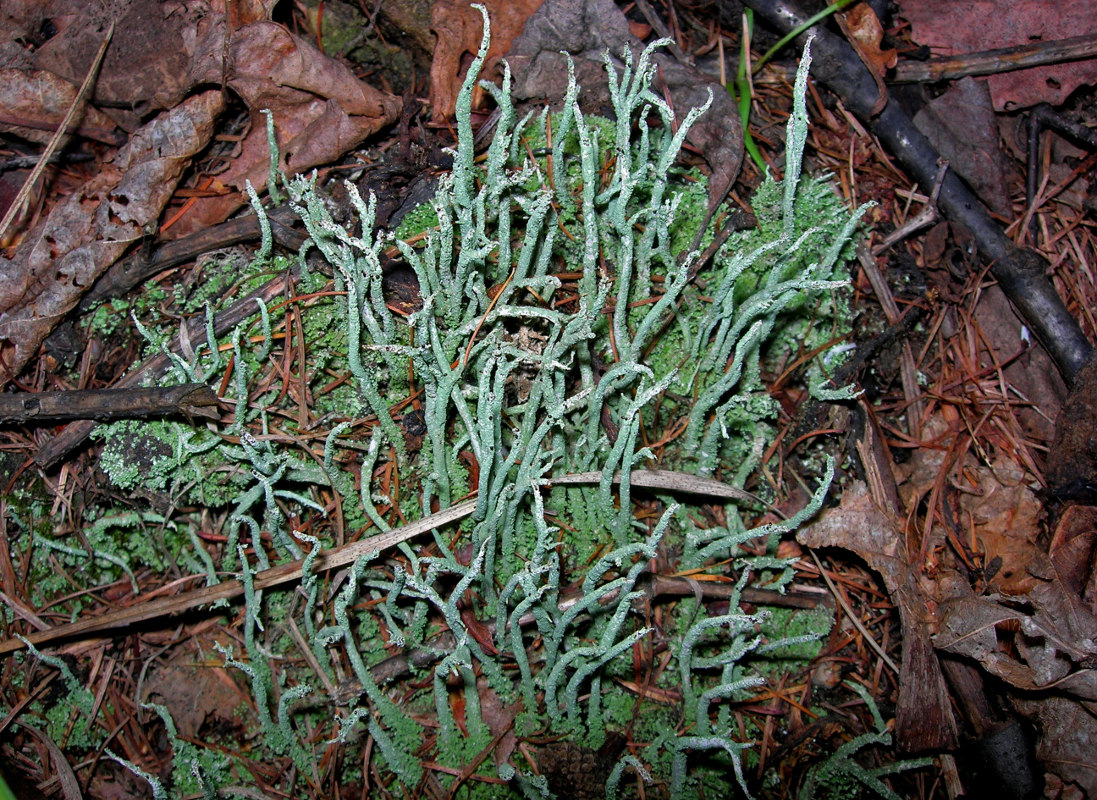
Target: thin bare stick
{"points": [[991, 62], [926, 217]]}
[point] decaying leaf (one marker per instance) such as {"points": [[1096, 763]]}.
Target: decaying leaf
{"points": [[990, 508], [320, 110], [1072, 459], [1065, 742], [88, 230], [1047, 640], [147, 67], [34, 102], [1045, 647], [961, 124], [863, 29], [924, 718], [1072, 551], [459, 28], [195, 694], [1003, 514], [160, 51]]}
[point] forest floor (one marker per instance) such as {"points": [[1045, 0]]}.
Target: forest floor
{"points": [[954, 557]]}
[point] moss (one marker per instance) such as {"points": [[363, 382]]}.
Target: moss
{"points": [[791, 624], [423, 217], [168, 459]]}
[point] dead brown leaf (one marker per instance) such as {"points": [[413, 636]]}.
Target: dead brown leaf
{"points": [[1045, 641], [1003, 515], [20, 19], [244, 12], [88, 230], [924, 718], [499, 715], [195, 694], [1065, 743], [962, 125], [147, 66], [1072, 551], [863, 30], [986, 500], [162, 51], [1045, 647], [320, 109], [35, 102], [160, 54], [459, 28], [1072, 459], [863, 27]]}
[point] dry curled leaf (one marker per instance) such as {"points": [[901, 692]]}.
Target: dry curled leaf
{"points": [[1047, 640], [88, 230], [863, 30], [863, 27], [163, 51], [35, 102], [321, 110], [160, 51], [1044, 646], [1073, 550]]}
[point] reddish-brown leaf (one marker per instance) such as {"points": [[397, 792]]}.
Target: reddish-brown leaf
{"points": [[459, 28]]}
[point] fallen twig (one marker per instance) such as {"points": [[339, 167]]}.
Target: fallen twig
{"points": [[1022, 274], [992, 62], [76, 432], [188, 399], [139, 267]]}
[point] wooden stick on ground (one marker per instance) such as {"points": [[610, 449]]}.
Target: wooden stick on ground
{"points": [[992, 62], [76, 432], [188, 399]]}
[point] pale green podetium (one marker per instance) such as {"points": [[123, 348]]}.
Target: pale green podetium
{"points": [[522, 375]]}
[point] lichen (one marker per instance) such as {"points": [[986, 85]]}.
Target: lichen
{"points": [[560, 330]]}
